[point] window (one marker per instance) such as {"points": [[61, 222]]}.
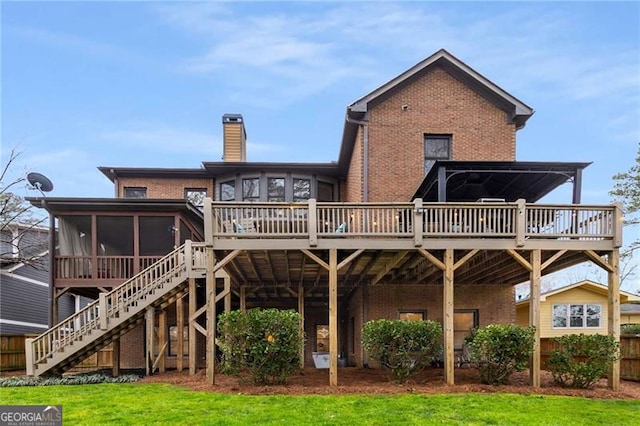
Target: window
{"points": [[322, 338], [228, 191], [325, 191], [173, 340], [412, 315], [251, 189], [577, 315], [301, 190], [275, 188], [135, 192], [436, 147], [195, 196], [464, 321]]}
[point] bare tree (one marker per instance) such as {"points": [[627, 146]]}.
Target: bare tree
{"points": [[23, 239]]}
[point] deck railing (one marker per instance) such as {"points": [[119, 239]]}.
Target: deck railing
{"points": [[110, 305], [405, 220]]}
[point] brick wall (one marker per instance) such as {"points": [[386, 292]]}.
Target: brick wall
{"points": [[495, 305], [353, 185], [165, 188], [436, 103]]}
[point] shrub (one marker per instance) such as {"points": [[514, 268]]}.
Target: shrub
{"points": [[500, 350], [263, 342], [633, 329], [404, 347], [581, 360]]}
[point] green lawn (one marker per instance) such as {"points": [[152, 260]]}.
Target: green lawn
{"points": [[154, 403]]}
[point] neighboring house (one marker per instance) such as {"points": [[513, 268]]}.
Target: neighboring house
{"points": [[24, 279], [574, 309], [630, 313], [25, 292], [426, 214]]}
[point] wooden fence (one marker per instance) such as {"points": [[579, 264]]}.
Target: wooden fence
{"points": [[629, 349], [12, 355]]}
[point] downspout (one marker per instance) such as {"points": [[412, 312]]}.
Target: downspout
{"points": [[52, 317], [365, 148]]}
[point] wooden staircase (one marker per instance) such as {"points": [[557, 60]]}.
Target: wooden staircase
{"points": [[114, 313]]}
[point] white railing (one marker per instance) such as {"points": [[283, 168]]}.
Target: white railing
{"points": [[398, 220], [97, 315]]}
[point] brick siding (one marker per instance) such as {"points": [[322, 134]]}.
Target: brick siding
{"points": [[171, 188], [436, 103]]}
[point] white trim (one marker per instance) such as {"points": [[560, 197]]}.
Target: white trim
{"points": [[25, 324], [25, 279]]}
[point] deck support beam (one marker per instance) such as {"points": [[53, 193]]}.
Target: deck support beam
{"points": [[333, 317], [613, 378], [301, 312], [534, 316], [193, 356], [149, 317], [211, 316], [447, 311], [180, 334], [162, 340]]}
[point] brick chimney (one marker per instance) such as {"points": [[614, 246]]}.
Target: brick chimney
{"points": [[234, 138]]}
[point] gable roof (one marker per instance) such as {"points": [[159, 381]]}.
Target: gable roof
{"points": [[518, 111], [586, 285]]}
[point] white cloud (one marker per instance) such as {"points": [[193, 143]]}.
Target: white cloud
{"points": [[83, 45], [523, 47], [160, 138]]}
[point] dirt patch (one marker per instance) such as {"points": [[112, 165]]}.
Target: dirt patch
{"points": [[376, 381]]}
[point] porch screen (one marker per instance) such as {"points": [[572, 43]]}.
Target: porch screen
{"points": [[157, 235], [74, 246]]}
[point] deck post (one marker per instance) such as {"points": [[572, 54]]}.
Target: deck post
{"points": [[115, 357], [243, 298], [149, 317], [193, 348], [211, 316], [333, 317], [534, 316], [447, 310], [301, 312], [312, 222], [613, 378], [102, 306], [521, 222], [418, 228], [227, 297], [162, 340], [180, 334], [29, 356]]}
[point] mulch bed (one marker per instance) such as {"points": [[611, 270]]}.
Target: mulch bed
{"points": [[376, 381]]}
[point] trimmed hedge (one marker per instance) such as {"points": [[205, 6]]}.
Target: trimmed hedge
{"points": [[632, 329], [500, 350], [581, 360], [80, 379], [263, 343], [404, 347]]}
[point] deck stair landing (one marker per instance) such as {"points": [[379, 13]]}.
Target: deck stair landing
{"points": [[114, 313]]}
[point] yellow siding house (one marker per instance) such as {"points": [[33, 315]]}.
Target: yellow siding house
{"points": [[574, 309]]}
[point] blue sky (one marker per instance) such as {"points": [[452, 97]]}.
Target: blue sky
{"points": [[87, 84]]}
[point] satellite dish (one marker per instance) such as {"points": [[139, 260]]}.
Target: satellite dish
{"points": [[40, 182]]}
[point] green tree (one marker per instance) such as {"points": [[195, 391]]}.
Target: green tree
{"points": [[626, 190]]}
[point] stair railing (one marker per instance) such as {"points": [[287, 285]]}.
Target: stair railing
{"points": [[96, 315]]}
